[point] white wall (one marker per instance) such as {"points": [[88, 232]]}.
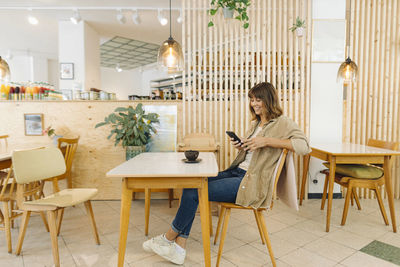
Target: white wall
{"points": [[92, 58], [124, 83], [71, 50], [53, 72], [326, 94]]}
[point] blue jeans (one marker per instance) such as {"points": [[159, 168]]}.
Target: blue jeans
{"points": [[222, 188]]}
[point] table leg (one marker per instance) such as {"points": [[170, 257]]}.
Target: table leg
{"points": [[388, 188], [205, 224], [126, 200], [306, 163], [147, 197], [332, 169]]}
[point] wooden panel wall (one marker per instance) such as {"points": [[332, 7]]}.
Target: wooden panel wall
{"points": [[372, 105], [223, 62]]}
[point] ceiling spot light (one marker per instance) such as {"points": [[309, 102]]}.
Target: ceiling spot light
{"points": [[76, 18], [32, 19], [170, 56], [163, 20], [118, 68], [180, 19], [135, 17], [121, 17]]}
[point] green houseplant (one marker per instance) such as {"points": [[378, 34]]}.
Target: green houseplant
{"points": [[229, 6], [298, 26], [131, 127]]}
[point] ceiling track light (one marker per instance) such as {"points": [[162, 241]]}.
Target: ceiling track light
{"points": [[163, 20], [180, 18], [121, 17], [76, 18], [32, 19], [118, 68], [135, 17]]}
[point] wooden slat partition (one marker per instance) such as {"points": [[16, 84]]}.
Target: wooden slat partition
{"points": [[372, 105], [223, 62]]}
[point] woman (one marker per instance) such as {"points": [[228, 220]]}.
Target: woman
{"points": [[248, 181]]}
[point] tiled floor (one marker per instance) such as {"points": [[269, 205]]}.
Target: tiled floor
{"points": [[298, 238]]}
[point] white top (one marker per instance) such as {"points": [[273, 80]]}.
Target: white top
{"points": [[166, 164], [245, 164], [353, 149]]}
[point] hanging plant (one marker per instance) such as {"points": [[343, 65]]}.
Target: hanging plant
{"points": [[229, 7], [298, 26]]}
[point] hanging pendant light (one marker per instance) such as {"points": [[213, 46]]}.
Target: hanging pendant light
{"points": [[170, 56], [4, 70], [348, 70]]}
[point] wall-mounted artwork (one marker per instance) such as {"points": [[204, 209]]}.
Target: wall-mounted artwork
{"points": [[33, 124], [66, 71]]}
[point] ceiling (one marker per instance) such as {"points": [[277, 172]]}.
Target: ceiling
{"points": [[43, 38], [127, 53]]}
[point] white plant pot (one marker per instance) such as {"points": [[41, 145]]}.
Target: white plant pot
{"points": [[228, 13], [300, 31]]}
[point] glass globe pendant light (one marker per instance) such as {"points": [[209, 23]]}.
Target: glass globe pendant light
{"points": [[348, 70], [170, 56]]}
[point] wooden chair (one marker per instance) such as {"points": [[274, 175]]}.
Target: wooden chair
{"points": [[30, 168], [352, 183], [262, 228]]}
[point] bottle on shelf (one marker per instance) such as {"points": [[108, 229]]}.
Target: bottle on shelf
{"points": [[3, 91]]}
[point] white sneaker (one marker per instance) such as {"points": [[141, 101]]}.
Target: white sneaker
{"points": [[165, 249]]}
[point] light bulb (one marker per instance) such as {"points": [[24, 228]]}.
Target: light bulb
{"points": [[117, 68], [347, 74], [33, 20], [135, 17], [180, 19], [163, 20], [171, 60]]}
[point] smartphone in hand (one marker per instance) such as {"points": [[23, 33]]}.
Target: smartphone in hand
{"points": [[234, 136]]}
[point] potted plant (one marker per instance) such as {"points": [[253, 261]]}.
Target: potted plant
{"points": [[298, 26], [131, 127], [52, 134], [229, 7]]}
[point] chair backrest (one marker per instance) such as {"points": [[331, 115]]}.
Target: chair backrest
{"points": [[37, 164], [385, 145], [199, 141], [278, 171], [70, 145], [3, 141]]}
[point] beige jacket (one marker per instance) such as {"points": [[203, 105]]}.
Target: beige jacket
{"points": [[257, 185]]}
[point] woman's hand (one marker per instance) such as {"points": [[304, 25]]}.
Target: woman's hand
{"points": [[254, 143], [236, 144]]}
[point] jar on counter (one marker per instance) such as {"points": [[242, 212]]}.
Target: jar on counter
{"points": [[112, 96], [85, 95], [104, 95], [94, 95]]}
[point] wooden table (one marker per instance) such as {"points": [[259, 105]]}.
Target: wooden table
{"points": [[345, 153], [164, 170]]}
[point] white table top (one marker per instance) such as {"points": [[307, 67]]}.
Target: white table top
{"points": [[166, 164], [6, 151], [353, 149]]}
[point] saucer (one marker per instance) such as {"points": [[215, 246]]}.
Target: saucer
{"points": [[191, 161]]}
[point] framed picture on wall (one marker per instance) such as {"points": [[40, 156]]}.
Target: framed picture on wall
{"points": [[33, 123], [66, 71]]}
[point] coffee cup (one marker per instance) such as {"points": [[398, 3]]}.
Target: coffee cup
{"points": [[191, 155]]}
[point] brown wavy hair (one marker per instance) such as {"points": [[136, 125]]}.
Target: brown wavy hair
{"points": [[267, 93]]}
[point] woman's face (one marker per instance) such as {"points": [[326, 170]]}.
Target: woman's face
{"points": [[258, 106]]}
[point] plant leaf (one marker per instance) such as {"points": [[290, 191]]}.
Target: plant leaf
{"points": [[210, 24]]}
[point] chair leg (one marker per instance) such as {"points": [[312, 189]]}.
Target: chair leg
{"points": [[147, 198], [259, 226], [223, 234], [7, 226], [133, 195], [267, 240], [325, 190], [12, 213], [22, 230], [46, 225], [380, 202], [352, 198], [60, 216], [346, 203], [221, 217], [51, 216], [90, 214], [170, 196], [356, 199], [210, 218]]}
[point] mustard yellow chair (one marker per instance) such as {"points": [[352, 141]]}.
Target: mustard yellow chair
{"points": [[31, 167], [258, 214]]}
